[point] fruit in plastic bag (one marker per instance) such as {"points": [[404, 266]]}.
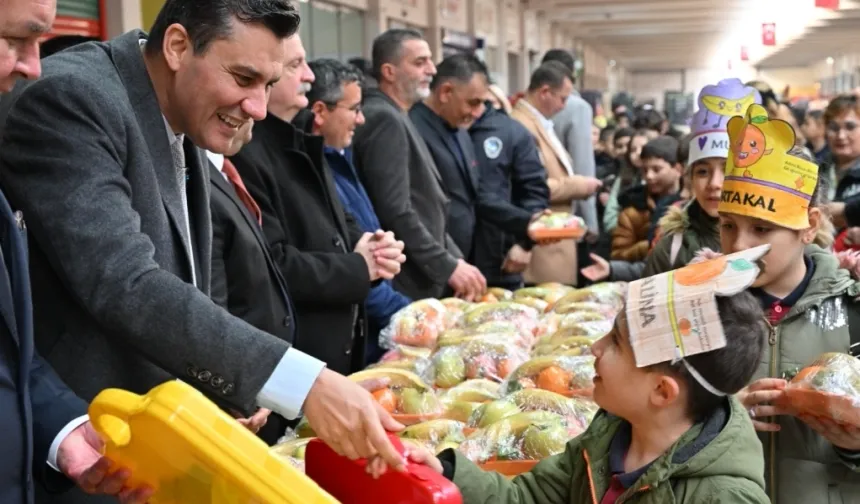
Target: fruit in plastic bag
{"points": [[435, 431], [541, 441], [294, 448], [461, 411], [480, 390], [525, 317], [576, 410], [450, 369], [553, 321], [417, 324], [829, 387], [456, 308], [501, 294], [408, 398], [572, 346], [549, 294]]}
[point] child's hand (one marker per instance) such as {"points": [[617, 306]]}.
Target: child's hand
{"points": [[376, 467], [757, 397]]}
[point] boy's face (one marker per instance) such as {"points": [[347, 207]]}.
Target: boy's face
{"points": [[706, 177], [620, 146], [620, 387], [660, 176], [635, 150]]}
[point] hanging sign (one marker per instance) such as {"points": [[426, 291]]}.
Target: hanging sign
{"points": [[768, 34], [745, 55], [827, 4]]}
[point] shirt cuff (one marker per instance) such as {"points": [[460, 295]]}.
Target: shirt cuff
{"points": [[290, 383], [58, 440]]}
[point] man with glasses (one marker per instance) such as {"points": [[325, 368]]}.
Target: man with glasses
{"points": [[329, 263], [335, 100]]}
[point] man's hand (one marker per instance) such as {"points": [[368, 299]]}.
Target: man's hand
{"points": [[599, 271], [255, 422], [517, 260], [757, 398], [347, 418], [842, 436], [387, 253], [587, 186], [79, 458], [467, 281]]}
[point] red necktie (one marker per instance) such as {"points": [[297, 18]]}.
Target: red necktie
{"points": [[241, 191]]}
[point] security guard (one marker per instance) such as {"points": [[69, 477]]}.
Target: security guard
{"points": [[511, 171]]}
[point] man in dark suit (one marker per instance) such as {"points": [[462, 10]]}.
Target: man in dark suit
{"points": [[400, 176], [44, 432], [456, 101], [97, 153], [329, 263]]}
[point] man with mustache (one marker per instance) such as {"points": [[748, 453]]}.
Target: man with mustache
{"points": [[103, 155], [400, 175], [329, 263]]}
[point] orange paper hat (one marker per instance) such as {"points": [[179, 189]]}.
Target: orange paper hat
{"points": [[763, 180]]}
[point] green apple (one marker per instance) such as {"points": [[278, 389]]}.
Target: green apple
{"points": [[542, 441]]}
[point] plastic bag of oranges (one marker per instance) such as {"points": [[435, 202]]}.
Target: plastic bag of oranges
{"points": [[417, 324], [570, 376]]}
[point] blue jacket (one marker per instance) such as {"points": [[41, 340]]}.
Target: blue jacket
{"points": [[383, 301], [35, 404]]}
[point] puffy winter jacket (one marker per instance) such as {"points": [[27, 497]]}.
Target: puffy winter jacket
{"points": [[630, 237], [697, 229]]}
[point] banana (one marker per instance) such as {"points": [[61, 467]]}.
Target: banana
{"points": [[478, 390], [501, 294], [506, 310], [543, 400], [538, 304], [563, 306], [446, 446], [515, 425], [572, 346], [399, 378], [435, 431], [496, 326], [460, 411]]}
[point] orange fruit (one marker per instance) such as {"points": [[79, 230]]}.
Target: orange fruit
{"points": [[506, 367], [554, 379], [700, 273], [805, 374], [387, 399], [481, 366]]}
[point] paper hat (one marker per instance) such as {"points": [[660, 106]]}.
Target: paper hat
{"points": [[674, 315], [718, 104], [762, 179]]}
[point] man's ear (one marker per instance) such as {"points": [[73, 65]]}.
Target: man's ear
{"points": [[386, 71], [320, 111], [176, 45]]}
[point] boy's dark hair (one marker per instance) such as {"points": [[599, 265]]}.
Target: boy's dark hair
{"points": [[730, 368], [663, 147], [649, 119], [209, 20], [826, 231], [607, 134], [629, 174], [60, 43], [459, 67], [388, 47], [623, 132], [817, 115], [551, 73]]}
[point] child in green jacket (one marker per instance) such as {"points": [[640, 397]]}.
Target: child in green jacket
{"points": [[666, 433]]}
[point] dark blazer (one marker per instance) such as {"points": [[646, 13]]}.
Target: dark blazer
{"points": [[406, 190], [258, 295], [512, 189], [310, 238], [454, 156], [85, 155], [35, 403]]}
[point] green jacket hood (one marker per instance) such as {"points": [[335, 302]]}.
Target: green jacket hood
{"points": [[829, 280], [725, 445]]}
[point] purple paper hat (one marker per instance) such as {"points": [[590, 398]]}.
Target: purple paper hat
{"points": [[718, 104]]}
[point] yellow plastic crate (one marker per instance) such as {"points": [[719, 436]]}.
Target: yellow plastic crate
{"points": [[182, 445]]}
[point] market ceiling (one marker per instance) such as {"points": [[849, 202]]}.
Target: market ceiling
{"points": [[675, 34]]}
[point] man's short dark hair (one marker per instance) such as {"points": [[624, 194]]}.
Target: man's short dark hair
{"points": [[330, 77], [551, 73], [388, 48], [622, 133], [730, 368], [459, 67], [209, 20], [563, 57], [56, 44], [607, 134], [663, 147]]}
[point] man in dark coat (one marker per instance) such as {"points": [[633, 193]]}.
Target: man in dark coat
{"points": [[511, 171], [456, 100], [400, 175], [329, 263], [120, 232]]}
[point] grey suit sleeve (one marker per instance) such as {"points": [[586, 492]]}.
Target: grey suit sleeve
{"points": [[577, 141], [623, 271], [65, 149], [383, 159]]}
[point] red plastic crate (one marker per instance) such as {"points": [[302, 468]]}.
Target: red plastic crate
{"points": [[347, 481]]}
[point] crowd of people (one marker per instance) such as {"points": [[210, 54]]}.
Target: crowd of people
{"points": [[201, 202]]}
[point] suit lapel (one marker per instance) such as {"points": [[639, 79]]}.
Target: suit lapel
{"points": [[562, 155], [221, 184], [7, 305], [200, 214], [448, 138], [128, 58]]}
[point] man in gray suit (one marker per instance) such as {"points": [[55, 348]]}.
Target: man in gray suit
{"points": [[399, 174], [103, 155]]}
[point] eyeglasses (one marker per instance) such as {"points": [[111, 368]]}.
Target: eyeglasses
{"points": [[849, 127], [355, 108]]}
